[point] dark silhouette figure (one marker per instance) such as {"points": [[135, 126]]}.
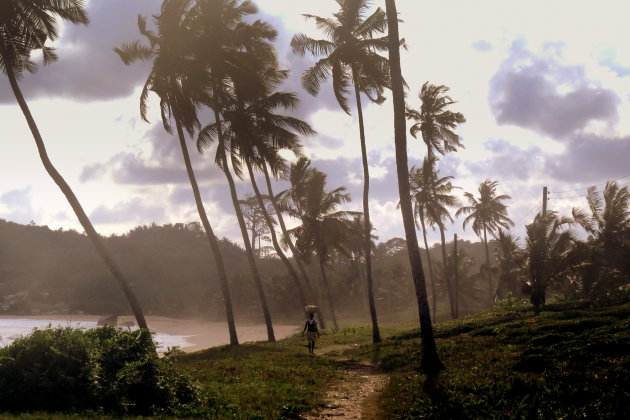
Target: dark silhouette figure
{"points": [[312, 332]]}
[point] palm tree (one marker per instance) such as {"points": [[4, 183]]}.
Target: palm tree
{"points": [[608, 227], [324, 230], [298, 176], [486, 213], [257, 134], [351, 56], [26, 26], [510, 260], [434, 122], [229, 48], [437, 197], [170, 78], [547, 245], [431, 364], [420, 196]]}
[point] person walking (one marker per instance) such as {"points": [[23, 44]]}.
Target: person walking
{"points": [[312, 332]]}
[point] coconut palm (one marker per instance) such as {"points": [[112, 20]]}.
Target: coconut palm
{"points": [[26, 26], [547, 245], [324, 229], [430, 364], [434, 122], [350, 56], [486, 213], [229, 48], [432, 197], [509, 257], [172, 79], [420, 196], [608, 227]]}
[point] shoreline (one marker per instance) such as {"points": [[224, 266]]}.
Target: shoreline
{"points": [[200, 334]]}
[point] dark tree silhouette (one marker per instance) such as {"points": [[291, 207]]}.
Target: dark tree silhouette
{"points": [[431, 363], [26, 26]]}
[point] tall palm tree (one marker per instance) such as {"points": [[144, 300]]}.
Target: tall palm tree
{"points": [[230, 48], [172, 78], [608, 227], [547, 244], [510, 260], [435, 193], [420, 196], [298, 175], [434, 122], [351, 56], [430, 364], [26, 26], [486, 213], [324, 229]]}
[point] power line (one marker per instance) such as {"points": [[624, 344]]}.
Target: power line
{"points": [[529, 213], [586, 195], [587, 187]]}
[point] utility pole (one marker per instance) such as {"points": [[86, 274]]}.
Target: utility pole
{"points": [[545, 194], [455, 277]]}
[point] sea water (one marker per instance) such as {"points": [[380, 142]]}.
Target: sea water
{"points": [[13, 328]]}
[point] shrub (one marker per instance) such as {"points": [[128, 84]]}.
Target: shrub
{"points": [[105, 370]]}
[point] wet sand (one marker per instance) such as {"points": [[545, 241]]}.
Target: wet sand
{"points": [[198, 334]]}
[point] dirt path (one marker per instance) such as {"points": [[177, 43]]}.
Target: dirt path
{"points": [[352, 395]]}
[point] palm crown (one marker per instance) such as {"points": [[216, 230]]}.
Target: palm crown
{"points": [[435, 123], [350, 52], [486, 211], [431, 194], [27, 25]]}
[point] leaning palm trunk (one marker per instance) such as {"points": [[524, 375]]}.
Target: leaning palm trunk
{"points": [[296, 256], [74, 203], [431, 277], [430, 363], [376, 336], [447, 273], [212, 239], [292, 273], [328, 294], [248, 249]]}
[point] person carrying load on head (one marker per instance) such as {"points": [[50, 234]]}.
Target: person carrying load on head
{"points": [[312, 332]]}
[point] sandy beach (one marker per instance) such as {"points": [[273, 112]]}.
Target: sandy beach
{"points": [[190, 335]]}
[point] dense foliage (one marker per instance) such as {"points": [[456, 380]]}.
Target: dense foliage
{"points": [[102, 370]]}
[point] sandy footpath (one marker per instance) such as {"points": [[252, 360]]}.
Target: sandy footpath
{"points": [[200, 334]]}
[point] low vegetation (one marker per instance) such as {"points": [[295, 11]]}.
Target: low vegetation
{"points": [[569, 362]]}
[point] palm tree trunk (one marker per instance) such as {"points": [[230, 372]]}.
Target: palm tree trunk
{"points": [[210, 236], [328, 294], [447, 272], [488, 273], [431, 277], [74, 203], [367, 230], [430, 363], [292, 273], [296, 256], [241, 222]]}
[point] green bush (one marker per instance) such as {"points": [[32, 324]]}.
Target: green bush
{"points": [[103, 370]]}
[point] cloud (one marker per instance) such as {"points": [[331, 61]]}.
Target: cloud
{"points": [[18, 206], [482, 45], [541, 94], [163, 165], [133, 211], [591, 158], [507, 162], [88, 68]]}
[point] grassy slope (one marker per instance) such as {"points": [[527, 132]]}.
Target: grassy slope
{"points": [[569, 362]]}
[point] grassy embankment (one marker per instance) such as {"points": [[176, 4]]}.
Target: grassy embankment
{"points": [[570, 362]]}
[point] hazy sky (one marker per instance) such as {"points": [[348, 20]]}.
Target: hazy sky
{"points": [[544, 87]]}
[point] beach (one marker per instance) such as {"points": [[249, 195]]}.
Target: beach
{"points": [[189, 334]]}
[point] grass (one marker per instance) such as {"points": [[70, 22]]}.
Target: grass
{"points": [[572, 361], [569, 362]]}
